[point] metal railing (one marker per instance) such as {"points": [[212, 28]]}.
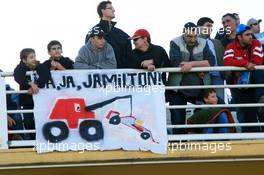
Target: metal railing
{"points": [[3, 111]]}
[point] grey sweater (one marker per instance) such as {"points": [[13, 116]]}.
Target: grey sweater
{"points": [[92, 58]]}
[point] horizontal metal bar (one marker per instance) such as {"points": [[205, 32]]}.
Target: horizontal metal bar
{"points": [[21, 131], [17, 92], [215, 125], [172, 69], [215, 86], [170, 126], [179, 87], [21, 143], [10, 74], [215, 106], [172, 107], [6, 74], [208, 69], [20, 111], [222, 136]]}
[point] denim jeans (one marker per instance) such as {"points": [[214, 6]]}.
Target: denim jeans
{"points": [[218, 80], [222, 118]]}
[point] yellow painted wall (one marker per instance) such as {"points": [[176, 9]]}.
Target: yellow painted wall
{"points": [[245, 157]]}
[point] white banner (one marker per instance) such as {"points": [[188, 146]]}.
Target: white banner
{"points": [[101, 110]]}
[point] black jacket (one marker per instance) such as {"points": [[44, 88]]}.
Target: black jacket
{"points": [[22, 79], [157, 53], [119, 40], [66, 62], [226, 41]]}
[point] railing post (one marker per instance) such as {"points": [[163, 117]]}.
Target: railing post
{"points": [[3, 115]]}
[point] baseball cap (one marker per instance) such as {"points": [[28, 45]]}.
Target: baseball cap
{"points": [[140, 33], [96, 31], [241, 28], [253, 21]]}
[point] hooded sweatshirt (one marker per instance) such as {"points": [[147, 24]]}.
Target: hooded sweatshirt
{"points": [[92, 58]]}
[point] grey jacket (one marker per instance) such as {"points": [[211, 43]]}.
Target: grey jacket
{"points": [[92, 58], [179, 53]]}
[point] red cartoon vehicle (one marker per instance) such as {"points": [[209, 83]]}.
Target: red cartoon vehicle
{"points": [[90, 129], [71, 110]]}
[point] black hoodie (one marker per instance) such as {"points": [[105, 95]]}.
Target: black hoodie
{"points": [[22, 79]]}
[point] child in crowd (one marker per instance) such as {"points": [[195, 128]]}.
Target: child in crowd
{"points": [[56, 60], [212, 115], [28, 62]]}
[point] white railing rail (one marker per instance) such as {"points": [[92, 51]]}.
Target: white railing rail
{"points": [[3, 116], [3, 111], [208, 69]]}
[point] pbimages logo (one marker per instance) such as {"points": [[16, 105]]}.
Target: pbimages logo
{"points": [[146, 90], [80, 147], [212, 147], [206, 31]]}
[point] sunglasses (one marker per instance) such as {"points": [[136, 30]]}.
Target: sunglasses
{"points": [[55, 48], [136, 39]]}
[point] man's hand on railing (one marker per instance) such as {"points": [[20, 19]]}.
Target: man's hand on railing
{"points": [[185, 66], [34, 89], [251, 66], [148, 64], [151, 67]]}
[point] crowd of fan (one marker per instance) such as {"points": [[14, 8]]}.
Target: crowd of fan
{"points": [[108, 47]]}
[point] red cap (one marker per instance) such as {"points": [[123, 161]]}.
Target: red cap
{"points": [[141, 33]]}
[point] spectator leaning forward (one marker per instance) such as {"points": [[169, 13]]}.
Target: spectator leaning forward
{"points": [[41, 76]]}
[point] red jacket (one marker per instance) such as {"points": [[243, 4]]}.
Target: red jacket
{"points": [[235, 55]]}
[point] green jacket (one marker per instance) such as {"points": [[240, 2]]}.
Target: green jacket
{"points": [[208, 115]]}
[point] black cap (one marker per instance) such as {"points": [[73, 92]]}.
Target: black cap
{"points": [[203, 20], [96, 31]]}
